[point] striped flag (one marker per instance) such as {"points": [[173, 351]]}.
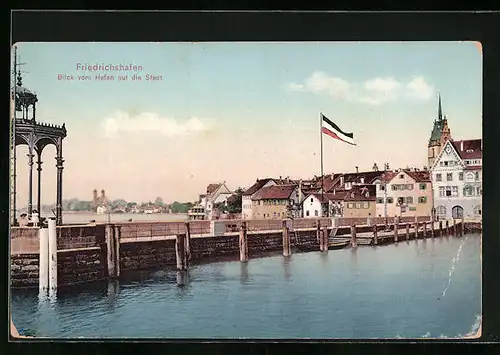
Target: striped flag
{"points": [[331, 129]]}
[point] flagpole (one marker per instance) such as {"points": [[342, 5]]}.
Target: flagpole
{"points": [[321, 157]]}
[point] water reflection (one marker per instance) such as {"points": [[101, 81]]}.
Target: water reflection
{"points": [[287, 268], [244, 273], [182, 278]]}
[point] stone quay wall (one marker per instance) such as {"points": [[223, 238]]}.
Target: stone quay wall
{"points": [[98, 251]]}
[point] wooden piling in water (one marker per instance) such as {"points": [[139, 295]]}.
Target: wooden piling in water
{"points": [[325, 238], [416, 230], [286, 240], [375, 235], [52, 257], [455, 228], [462, 227], [188, 242], [395, 231], [243, 242], [440, 228], [116, 237], [109, 232], [354, 242], [425, 229], [180, 252], [318, 233], [432, 228], [407, 231], [447, 229]]}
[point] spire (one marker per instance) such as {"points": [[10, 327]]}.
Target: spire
{"points": [[440, 111]]}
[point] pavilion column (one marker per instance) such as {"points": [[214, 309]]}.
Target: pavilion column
{"points": [[39, 192], [30, 182], [59, 166]]}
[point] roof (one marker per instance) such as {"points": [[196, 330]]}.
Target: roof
{"points": [[387, 176], [361, 193], [259, 184], [473, 167], [212, 188], [436, 131], [471, 148], [419, 176], [274, 192], [369, 176]]}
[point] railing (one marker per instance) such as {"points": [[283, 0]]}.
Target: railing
{"points": [[141, 230]]}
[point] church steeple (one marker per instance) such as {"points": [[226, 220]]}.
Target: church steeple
{"points": [[440, 110]]}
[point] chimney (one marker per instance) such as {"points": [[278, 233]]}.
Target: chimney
{"points": [[342, 181], [103, 194], [362, 180], [332, 175], [461, 146], [357, 170]]}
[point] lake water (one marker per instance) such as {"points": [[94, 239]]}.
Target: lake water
{"points": [[417, 289]]}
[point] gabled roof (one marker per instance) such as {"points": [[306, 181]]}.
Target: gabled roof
{"points": [[212, 188], [257, 186], [419, 176], [361, 193], [440, 155], [274, 192], [469, 149]]}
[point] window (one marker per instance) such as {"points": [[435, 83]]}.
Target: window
{"points": [[422, 199], [401, 200], [380, 200], [382, 187], [401, 176], [445, 163], [413, 208], [461, 176], [390, 200], [448, 191], [307, 213], [478, 190], [312, 199], [477, 210], [454, 191], [477, 175], [349, 205], [365, 204], [358, 205], [438, 177], [441, 210], [470, 176], [316, 213], [441, 191], [441, 163], [423, 186], [468, 190], [449, 177], [409, 200]]}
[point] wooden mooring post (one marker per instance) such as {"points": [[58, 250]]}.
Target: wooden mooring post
{"points": [[52, 257], [354, 242], [407, 231], [286, 239], [432, 228], [180, 252], [325, 238], [416, 230], [188, 242], [462, 227], [396, 229], [243, 242], [447, 229], [116, 237], [440, 228], [455, 228], [111, 258], [318, 232], [425, 229], [375, 235]]}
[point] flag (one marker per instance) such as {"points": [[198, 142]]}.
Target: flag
{"points": [[331, 129]]}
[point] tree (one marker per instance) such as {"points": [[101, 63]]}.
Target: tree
{"points": [[159, 201], [233, 204]]}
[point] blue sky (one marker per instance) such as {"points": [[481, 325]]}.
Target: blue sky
{"points": [[237, 111]]}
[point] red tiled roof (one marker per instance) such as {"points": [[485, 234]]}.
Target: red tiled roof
{"points": [[387, 176], [274, 192], [471, 148], [369, 176], [212, 188], [326, 197], [361, 193], [419, 176], [473, 167], [257, 186]]}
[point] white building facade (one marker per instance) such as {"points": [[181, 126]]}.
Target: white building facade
{"points": [[246, 198], [457, 180]]}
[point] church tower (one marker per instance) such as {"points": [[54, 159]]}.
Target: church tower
{"points": [[439, 135]]}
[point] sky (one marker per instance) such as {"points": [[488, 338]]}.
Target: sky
{"points": [[235, 112]]}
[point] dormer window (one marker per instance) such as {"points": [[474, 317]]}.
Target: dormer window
{"points": [[401, 176]]}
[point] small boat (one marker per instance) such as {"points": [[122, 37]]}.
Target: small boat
{"points": [[337, 245]]}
